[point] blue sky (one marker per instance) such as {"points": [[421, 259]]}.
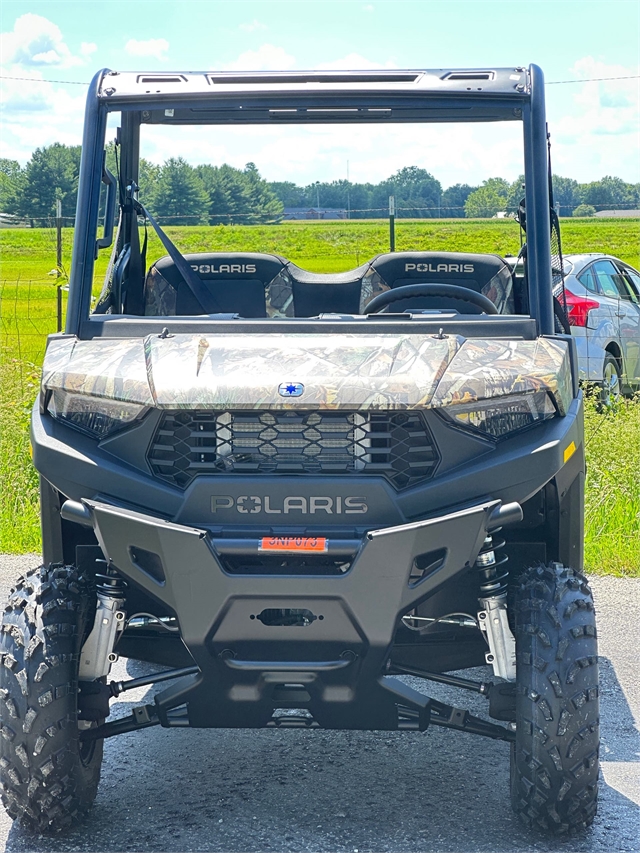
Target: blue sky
{"points": [[594, 125]]}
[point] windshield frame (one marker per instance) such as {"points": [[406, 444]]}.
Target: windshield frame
{"points": [[433, 96]]}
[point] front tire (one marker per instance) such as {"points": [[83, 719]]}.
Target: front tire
{"points": [[554, 761], [48, 778]]}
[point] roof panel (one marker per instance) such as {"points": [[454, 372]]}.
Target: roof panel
{"points": [[477, 94]]}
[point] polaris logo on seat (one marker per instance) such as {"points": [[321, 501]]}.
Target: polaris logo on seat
{"points": [[253, 504], [229, 268], [439, 267]]}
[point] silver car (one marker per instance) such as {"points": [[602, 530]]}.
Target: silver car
{"points": [[603, 306]]}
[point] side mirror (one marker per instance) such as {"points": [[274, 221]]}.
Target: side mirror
{"points": [[107, 235]]}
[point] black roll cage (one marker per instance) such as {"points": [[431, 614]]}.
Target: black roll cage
{"points": [[207, 98]]}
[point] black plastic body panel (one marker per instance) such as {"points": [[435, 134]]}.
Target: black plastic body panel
{"points": [[470, 470], [338, 657]]}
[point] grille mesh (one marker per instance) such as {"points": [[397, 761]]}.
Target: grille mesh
{"points": [[396, 445]]}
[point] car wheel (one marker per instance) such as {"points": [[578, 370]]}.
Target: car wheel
{"points": [[611, 384], [554, 760], [48, 776]]}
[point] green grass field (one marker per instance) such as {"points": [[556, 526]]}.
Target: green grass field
{"points": [[28, 314]]}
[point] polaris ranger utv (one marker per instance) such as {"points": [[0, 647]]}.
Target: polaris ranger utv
{"points": [[291, 489]]}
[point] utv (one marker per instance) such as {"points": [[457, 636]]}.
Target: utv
{"points": [[288, 488]]}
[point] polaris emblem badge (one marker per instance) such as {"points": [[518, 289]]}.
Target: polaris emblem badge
{"points": [[290, 389]]}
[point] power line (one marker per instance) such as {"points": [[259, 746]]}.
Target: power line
{"points": [[548, 82], [591, 80], [38, 80]]}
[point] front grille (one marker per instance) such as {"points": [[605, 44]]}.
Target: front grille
{"points": [[396, 445]]}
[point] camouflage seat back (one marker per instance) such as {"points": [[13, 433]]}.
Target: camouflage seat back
{"points": [[250, 284], [486, 274]]}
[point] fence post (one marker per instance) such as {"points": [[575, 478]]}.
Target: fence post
{"points": [[59, 261], [392, 223]]}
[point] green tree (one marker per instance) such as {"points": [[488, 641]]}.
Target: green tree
{"points": [[218, 191], [264, 205], [51, 173], [417, 193], [290, 194], [148, 177], [453, 200], [179, 196], [565, 194], [10, 181], [228, 192], [584, 210], [515, 195], [608, 193], [333, 194], [488, 199]]}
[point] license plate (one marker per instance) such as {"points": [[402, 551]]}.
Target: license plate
{"points": [[307, 544]]}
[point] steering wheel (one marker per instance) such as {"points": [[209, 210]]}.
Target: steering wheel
{"points": [[450, 291]]}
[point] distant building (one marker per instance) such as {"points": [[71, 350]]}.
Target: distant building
{"points": [[314, 213], [618, 214]]}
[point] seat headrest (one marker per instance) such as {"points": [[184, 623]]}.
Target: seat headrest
{"points": [[225, 265], [453, 267]]}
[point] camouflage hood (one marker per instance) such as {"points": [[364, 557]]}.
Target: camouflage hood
{"points": [[337, 371]]}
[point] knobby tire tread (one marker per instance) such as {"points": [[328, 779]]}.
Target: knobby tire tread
{"points": [[47, 784], [554, 761]]}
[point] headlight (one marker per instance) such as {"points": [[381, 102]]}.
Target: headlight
{"points": [[97, 417], [502, 416]]}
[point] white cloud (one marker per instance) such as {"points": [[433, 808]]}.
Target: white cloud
{"points": [[452, 153], [367, 7], [36, 113], [267, 57], [36, 42], [594, 126], [156, 48], [253, 26]]}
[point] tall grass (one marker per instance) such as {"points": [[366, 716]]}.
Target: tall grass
{"points": [[19, 500], [612, 511], [28, 314], [29, 253]]}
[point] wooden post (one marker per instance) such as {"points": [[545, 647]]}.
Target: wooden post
{"points": [[392, 223], [59, 262]]}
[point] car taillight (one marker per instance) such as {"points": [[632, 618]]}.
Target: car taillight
{"points": [[578, 308]]}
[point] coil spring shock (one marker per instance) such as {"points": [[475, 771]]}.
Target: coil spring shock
{"points": [[97, 653], [109, 584], [493, 618], [493, 579]]}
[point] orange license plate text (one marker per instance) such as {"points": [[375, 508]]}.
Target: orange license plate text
{"points": [[313, 544]]}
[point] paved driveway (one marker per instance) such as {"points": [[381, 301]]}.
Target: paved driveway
{"points": [[351, 791]]}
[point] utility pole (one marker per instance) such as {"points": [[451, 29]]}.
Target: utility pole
{"points": [[59, 262]]}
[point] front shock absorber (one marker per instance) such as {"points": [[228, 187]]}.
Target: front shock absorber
{"points": [[97, 653], [492, 616]]}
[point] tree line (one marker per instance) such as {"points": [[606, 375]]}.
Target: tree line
{"points": [[181, 194]]}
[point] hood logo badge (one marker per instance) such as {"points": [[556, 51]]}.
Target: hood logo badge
{"points": [[290, 389]]}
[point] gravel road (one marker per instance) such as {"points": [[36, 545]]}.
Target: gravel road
{"points": [[207, 790]]}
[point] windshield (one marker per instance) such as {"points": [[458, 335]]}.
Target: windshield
{"points": [[320, 221]]}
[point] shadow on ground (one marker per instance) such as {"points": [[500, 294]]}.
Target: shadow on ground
{"points": [[201, 790]]}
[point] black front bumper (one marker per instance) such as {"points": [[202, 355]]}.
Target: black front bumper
{"points": [[332, 665]]}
